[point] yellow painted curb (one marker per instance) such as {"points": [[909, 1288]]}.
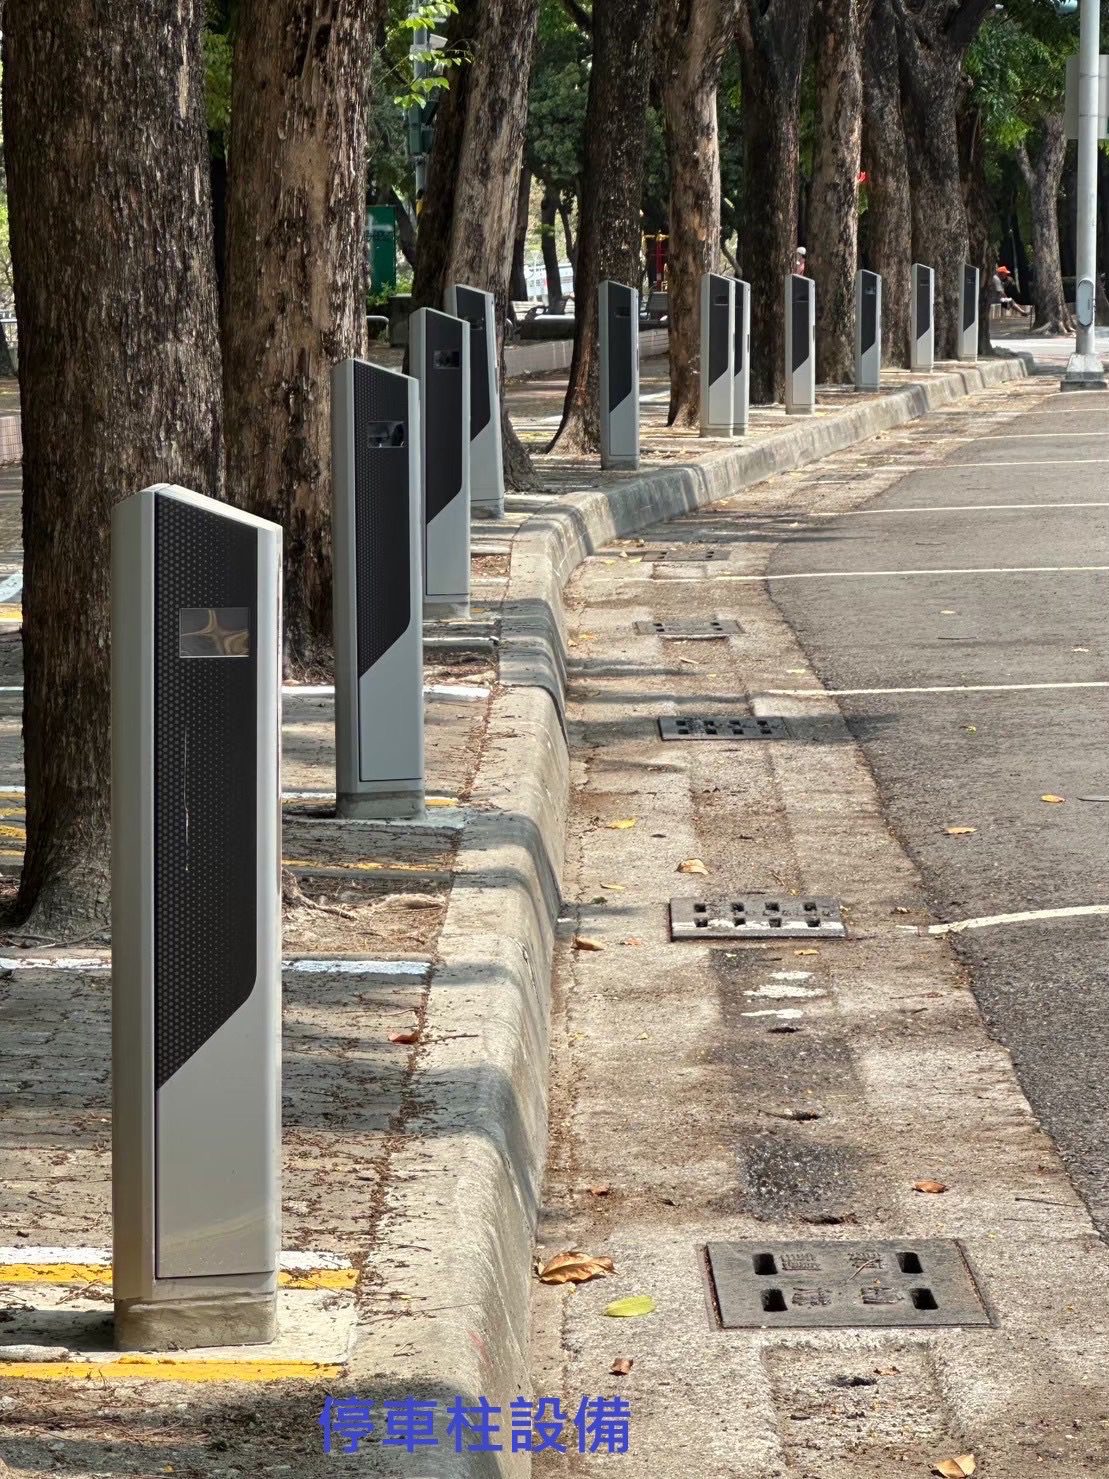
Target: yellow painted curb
{"points": [[347, 864], [101, 1273], [159, 1368]]}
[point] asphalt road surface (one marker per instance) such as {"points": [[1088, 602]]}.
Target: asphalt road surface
{"points": [[979, 577]]}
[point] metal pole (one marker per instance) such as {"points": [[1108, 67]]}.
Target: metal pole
{"points": [[1085, 368]]}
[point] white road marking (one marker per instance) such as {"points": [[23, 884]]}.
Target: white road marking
{"points": [[462, 691], [1033, 462], [347, 966], [1077, 911], [22, 1254], [781, 1012], [885, 574], [1005, 436], [11, 586], [932, 688], [956, 508]]}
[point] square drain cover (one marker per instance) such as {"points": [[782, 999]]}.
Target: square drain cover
{"points": [[667, 553], [761, 916], [723, 728], [689, 631], [772, 1286]]}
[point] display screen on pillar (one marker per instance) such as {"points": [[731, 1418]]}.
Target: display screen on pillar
{"points": [[800, 346], [618, 334], [922, 337], [717, 354], [441, 365], [741, 357], [377, 592], [868, 330], [478, 308], [196, 684]]}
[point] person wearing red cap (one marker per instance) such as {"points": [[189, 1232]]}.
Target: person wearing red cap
{"points": [[999, 294]]}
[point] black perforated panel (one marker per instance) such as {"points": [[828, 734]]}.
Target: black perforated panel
{"points": [[740, 340], [799, 344], [471, 306], [868, 328], [619, 344], [970, 296], [719, 294], [381, 511], [205, 783], [442, 413], [923, 302]]}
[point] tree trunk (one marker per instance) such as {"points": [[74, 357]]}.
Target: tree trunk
{"points": [[296, 289], [773, 43], [833, 226], [467, 226], [548, 242], [933, 39], [1043, 173], [981, 214], [564, 211], [7, 364], [692, 37], [612, 191], [111, 238], [518, 285], [889, 208]]}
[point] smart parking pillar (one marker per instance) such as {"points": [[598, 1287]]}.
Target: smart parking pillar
{"points": [[922, 334], [868, 330], [618, 325], [968, 314], [800, 345], [377, 592], [717, 352], [741, 358], [196, 921], [440, 347], [486, 458]]}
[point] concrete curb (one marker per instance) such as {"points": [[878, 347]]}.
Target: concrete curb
{"points": [[467, 1176]]}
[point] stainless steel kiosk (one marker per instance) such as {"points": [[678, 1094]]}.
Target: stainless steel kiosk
{"points": [[440, 349], [377, 592], [741, 358], [968, 314], [922, 333], [868, 330], [196, 921], [486, 460], [618, 332], [717, 350], [800, 345]]}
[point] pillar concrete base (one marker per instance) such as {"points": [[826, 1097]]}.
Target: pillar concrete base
{"points": [[187, 1324], [372, 806], [1084, 372], [436, 608]]}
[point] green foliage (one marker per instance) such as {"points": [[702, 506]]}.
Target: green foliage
{"points": [[1017, 67], [557, 99]]}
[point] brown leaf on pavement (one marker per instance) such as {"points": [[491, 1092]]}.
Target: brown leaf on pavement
{"points": [[960, 831], [404, 1037], [621, 1366], [622, 824], [583, 942], [575, 1267], [632, 940], [932, 1187], [1053, 800], [692, 865], [960, 1467], [602, 1189]]}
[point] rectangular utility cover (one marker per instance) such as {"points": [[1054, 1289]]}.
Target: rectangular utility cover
{"points": [[722, 729], [755, 916], [689, 631], [668, 553], [768, 1286]]}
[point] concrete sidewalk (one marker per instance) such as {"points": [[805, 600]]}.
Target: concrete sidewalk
{"points": [[416, 1164]]}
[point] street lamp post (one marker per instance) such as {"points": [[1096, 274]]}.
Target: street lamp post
{"points": [[1085, 370]]}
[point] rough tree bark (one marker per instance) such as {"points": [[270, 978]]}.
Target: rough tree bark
{"points": [[933, 36], [296, 299], [1042, 169], [111, 237], [612, 190], [885, 159], [691, 40], [773, 37], [982, 251], [468, 220], [833, 224]]}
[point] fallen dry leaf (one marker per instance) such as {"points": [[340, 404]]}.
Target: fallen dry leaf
{"points": [[971, 728], [621, 1366], [933, 1187], [583, 942], [575, 1267], [692, 865], [960, 1467], [960, 831], [1053, 800], [630, 1306], [806, 952], [602, 1189], [614, 888], [632, 940], [623, 824], [404, 1037]]}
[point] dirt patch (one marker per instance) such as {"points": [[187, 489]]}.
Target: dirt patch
{"points": [[329, 915]]}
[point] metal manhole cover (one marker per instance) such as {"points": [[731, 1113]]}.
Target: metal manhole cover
{"points": [[659, 554], [759, 916], [723, 728], [689, 630], [771, 1286]]}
